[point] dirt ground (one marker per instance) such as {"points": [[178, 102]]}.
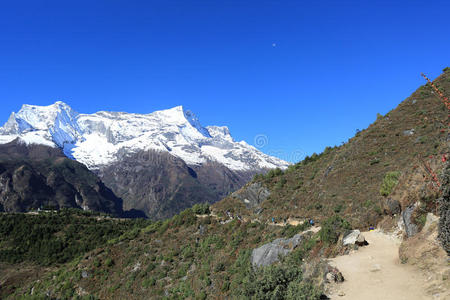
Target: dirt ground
{"points": [[375, 272]]}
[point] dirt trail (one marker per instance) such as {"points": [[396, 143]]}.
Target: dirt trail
{"points": [[375, 272]]}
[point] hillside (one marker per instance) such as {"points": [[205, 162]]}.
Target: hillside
{"points": [[347, 179], [234, 249], [37, 176]]}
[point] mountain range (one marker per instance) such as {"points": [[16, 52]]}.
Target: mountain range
{"points": [[158, 163]]}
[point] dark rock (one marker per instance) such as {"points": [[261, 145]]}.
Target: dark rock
{"points": [[361, 241], [410, 228], [201, 229], [332, 274], [35, 176], [328, 170], [391, 206]]}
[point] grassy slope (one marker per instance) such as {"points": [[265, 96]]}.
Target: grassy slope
{"points": [[175, 258], [347, 179]]}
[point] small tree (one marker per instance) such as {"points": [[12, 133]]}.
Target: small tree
{"points": [[390, 180]]}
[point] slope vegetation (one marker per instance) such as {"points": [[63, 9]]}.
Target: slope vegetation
{"points": [[389, 162]]}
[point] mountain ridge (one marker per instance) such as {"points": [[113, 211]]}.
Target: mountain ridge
{"points": [[96, 139], [188, 163]]}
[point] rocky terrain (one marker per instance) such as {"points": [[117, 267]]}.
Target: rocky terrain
{"points": [[37, 176]]}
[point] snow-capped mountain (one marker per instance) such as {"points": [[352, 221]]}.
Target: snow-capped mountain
{"points": [[158, 163], [101, 138]]}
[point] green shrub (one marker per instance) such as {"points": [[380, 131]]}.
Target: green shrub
{"points": [[152, 227], [390, 180], [201, 296], [186, 217], [274, 173], [289, 230], [148, 282], [96, 263], [109, 262], [277, 282], [332, 228], [374, 161], [338, 208], [201, 209], [303, 291]]}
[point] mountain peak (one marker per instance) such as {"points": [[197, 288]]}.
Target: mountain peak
{"points": [[58, 105], [104, 137], [179, 115]]}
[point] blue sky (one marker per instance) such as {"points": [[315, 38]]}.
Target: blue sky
{"points": [[306, 74]]}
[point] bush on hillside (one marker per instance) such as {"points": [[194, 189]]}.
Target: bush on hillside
{"points": [[278, 282], [332, 228], [274, 172], [390, 180], [303, 291], [186, 217], [201, 209], [289, 231]]}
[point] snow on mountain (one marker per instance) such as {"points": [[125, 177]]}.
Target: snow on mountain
{"points": [[101, 138]]}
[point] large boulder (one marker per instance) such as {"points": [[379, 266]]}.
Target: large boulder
{"points": [[270, 253], [354, 237], [351, 237]]}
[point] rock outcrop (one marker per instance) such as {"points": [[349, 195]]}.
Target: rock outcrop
{"points": [[162, 185], [351, 237], [35, 176], [391, 206], [252, 195], [354, 237], [411, 229], [270, 253]]}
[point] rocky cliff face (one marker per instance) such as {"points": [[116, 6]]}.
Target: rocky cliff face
{"points": [[35, 176], [161, 185]]}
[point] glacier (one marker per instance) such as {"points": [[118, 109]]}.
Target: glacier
{"points": [[101, 138]]}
